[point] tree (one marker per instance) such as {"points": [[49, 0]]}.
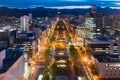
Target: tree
{"points": [[53, 68], [47, 56], [45, 76], [74, 55], [72, 50], [93, 69], [52, 38], [46, 73], [80, 48], [46, 69], [76, 59], [68, 39]]}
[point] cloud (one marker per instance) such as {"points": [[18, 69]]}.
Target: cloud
{"points": [[117, 3], [115, 7], [70, 7]]}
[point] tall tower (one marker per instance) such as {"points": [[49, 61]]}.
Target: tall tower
{"points": [[119, 44], [93, 9], [24, 23], [99, 20], [30, 16]]}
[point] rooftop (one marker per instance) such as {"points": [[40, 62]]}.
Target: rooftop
{"points": [[97, 41], [107, 57], [1, 49], [10, 59], [25, 37]]}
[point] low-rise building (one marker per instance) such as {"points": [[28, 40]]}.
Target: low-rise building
{"points": [[102, 45], [12, 65], [97, 46], [29, 41], [108, 65]]}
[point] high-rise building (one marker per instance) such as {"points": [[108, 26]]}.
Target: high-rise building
{"points": [[116, 45], [7, 38], [89, 23], [24, 23], [30, 16], [99, 20], [93, 9]]}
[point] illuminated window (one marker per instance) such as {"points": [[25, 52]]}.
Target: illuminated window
{"points": [[106, 68], [107, 64], [98, 29]]}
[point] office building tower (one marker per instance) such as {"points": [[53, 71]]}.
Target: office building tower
{"points": [[30, 16], [89, 23], [99, 20], [6, 38], [119, 44], [93, 9], [24, 23]]}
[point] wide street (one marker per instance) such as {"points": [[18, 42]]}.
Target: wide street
{"points": [[60, 56]]}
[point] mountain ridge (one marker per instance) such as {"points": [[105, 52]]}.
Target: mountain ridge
{"points": [[41, 11]]}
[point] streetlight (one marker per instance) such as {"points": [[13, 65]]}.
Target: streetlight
{"points": [[96, 77], [85, 59]]}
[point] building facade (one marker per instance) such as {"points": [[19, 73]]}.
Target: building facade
{"points": [[89, 23], [24, 23], [108, 65], [2, 56], [15, 72]]}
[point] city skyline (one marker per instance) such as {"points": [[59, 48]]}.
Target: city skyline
{"points": [[59, 4], [40, 43]]}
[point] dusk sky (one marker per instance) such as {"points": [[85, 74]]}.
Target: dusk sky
{"points": [[59, 3]]}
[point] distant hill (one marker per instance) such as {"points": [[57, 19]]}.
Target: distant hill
{"points": [[40, 11]]}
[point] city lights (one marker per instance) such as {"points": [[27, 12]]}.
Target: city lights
{"points": [[59, 40]]}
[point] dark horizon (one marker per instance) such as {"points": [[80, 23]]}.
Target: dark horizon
{"points": [[60, 7], [41, 11]]}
